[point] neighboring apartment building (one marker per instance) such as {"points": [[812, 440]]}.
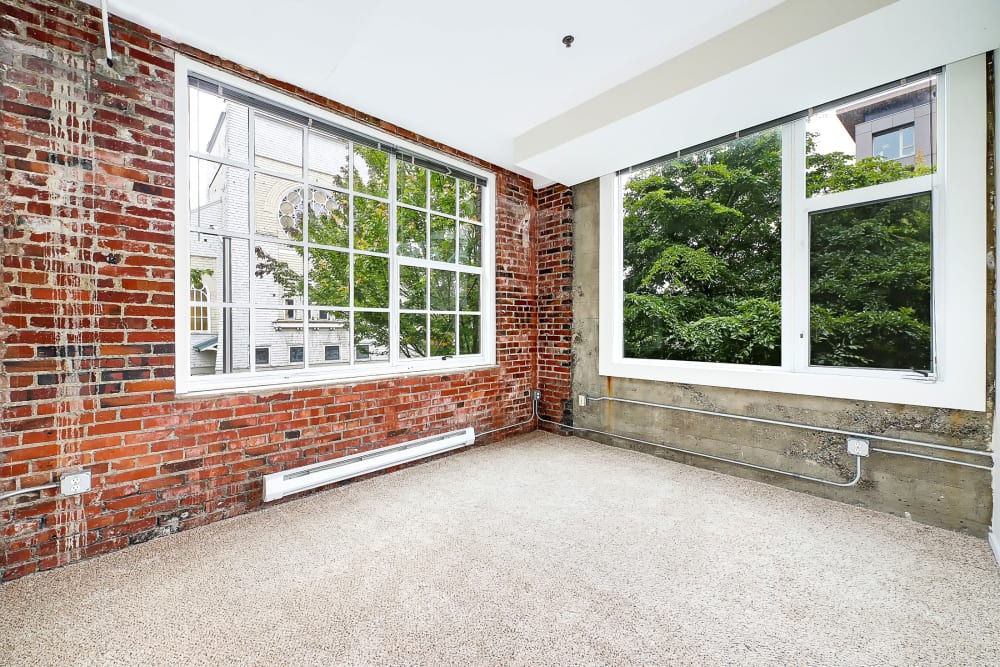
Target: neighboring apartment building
{"points": [[897, 125]]}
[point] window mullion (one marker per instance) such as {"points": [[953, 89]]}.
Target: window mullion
{"points": [[251, 248], [351, 347], [794, 249], [869, 194], [393, 268], [306, 202]]}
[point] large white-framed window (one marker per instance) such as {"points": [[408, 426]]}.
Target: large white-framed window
{"points": [[789, 260], [320, 234]]}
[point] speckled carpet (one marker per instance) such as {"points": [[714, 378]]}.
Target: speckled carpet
{"points": [[537, 550]]}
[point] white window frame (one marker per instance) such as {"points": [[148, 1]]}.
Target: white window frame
{"points": [[958, 273], [188, 384]]}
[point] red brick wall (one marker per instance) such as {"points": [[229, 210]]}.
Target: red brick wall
{"points": [[87, 328], [554, 222]]}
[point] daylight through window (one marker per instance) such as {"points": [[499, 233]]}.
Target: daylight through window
{"points": [[702, 241], [310, 243]]}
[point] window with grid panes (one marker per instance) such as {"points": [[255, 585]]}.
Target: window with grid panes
{"points": [[319, 240]]}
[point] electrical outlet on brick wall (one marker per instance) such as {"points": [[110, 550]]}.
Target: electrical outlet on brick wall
{"points": [[74, 483]]}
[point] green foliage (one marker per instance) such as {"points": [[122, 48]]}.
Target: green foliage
{"points": [[327, 222], [702, 262], [198, 277]]}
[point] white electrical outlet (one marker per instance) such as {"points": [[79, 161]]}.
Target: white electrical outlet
{"points": [[857, 446], [582, 400], [74, 483]]}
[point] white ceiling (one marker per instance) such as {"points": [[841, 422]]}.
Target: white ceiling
{"points": [[486, 77]]}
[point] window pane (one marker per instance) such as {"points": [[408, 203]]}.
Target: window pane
{"points": [[411, 184], [702, 255], [199, 322], [328, 157], [226, 348], [328, 219], [468, 292], [468, 332], [876, 139], [470, 245], [443, 193], [371, 171], [371, 281], [442, 335], [277, 274], [279, 335], [412, 287], [870, 285], [442, 290], [219, 197], [470, 200], [217, 126], [412, 335], [442, 239], [371, 225], [371, 337], [411, 232], [329, 278], [277, 146], [222, 265], [329, 338], [279, 205]]}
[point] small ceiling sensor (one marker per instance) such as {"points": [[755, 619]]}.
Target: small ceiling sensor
{"points": [[568, 40]]}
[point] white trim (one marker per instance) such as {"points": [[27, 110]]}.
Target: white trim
{"points": [[994, 544], [959, 278], [872, 193], [184, 65], [186, 384]]}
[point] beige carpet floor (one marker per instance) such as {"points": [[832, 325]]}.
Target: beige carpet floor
{"points": [[539, 550]]}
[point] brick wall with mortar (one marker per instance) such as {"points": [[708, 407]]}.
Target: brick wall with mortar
{"points": [[87, 329], [555, 302]]}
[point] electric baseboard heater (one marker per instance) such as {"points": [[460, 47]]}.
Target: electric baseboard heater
{"points": [[281, 484]]}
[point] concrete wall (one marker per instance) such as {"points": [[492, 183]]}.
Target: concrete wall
{"points": [[943, 495], [993, 132]]}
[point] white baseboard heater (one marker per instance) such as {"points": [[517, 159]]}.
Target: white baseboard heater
{"points": [[281, 484]]}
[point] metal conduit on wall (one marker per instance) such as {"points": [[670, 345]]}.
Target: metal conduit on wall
{"points": [[808, 427]]}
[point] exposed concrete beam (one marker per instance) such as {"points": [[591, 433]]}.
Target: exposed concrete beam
{"points": [[771, 32]]}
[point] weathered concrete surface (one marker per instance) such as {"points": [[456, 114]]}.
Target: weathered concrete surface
{"points": [[943, 495]]}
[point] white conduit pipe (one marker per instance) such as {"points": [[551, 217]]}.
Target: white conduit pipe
{"points": [[852, 482], [30, 489], [107, 32], [534, 415], [853, 434]]}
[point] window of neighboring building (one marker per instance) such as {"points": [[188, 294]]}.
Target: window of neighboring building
{"points": [[793, 259], [324, 234], [200, 319], [331, 353], [894, 144], [262, 356], [296, 354]]}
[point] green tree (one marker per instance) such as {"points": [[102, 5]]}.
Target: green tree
{"points": [[325, 219], [702, 263]]}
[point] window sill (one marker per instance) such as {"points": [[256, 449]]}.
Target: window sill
{"points": [[965, 392], [265, 383]]}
